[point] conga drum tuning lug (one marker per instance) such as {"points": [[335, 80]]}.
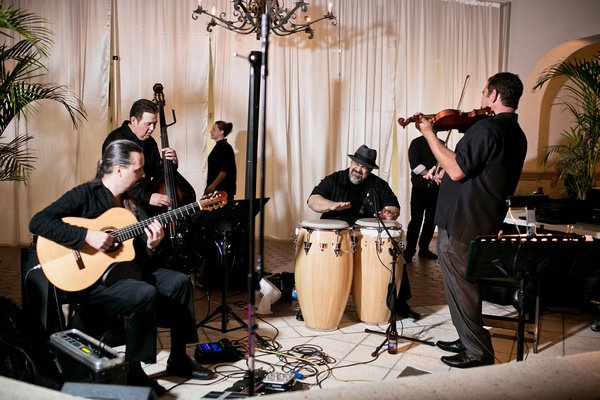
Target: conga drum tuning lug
{"points": [[307, 247]]}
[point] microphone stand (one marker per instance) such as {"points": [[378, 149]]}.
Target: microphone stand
{"points": [[392, 297], [255, 274]]}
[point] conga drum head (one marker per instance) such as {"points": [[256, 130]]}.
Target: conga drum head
{"points": [[324, 224], [373, 227]]}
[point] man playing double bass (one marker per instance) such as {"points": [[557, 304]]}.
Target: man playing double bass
{"points": [[143, 118]]}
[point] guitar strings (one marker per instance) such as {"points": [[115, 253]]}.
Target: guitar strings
{"points": [[133, 230]]}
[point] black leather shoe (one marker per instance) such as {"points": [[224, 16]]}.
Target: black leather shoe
{"points": [[462, 360], [428, 254], [137, 378], [404, 311], [188, 368], [454, 347]]}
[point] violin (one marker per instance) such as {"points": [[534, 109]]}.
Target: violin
{"points": [[450, 119]]}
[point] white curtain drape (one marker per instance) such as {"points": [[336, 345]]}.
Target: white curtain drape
{"points": [[65, 156], [157, 41], [325, 97]]}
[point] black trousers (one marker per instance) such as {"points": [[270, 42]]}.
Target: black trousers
{"points": [[464, 297], [164, 298], [404, 293], [423, 202]]}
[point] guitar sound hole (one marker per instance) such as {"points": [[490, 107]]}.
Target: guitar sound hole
{"points": [[115, 246]]}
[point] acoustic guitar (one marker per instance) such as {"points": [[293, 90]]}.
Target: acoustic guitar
{"points": [[73, 270]]}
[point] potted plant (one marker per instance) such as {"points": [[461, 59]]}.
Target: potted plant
{"points": [[21, 65], [579, 151]]}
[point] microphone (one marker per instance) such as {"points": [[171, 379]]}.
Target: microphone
{"points": [[366, 202]]}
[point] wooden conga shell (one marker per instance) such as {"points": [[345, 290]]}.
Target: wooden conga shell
{"points": [[372, 269], [323, 278]]}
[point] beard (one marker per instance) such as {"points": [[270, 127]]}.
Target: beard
{"points": [[356, 178]]}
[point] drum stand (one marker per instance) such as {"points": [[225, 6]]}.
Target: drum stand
{"points": [[392, 296]]}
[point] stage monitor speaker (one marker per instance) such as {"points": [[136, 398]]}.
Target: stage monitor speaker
{"points": [[108, 392]]}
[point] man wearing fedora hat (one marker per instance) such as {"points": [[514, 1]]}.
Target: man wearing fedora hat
{"points": [[343, 195]]}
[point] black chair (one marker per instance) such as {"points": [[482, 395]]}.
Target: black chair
{"points": [[57, 310]]}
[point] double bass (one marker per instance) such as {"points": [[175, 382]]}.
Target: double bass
{"points": [[182, 256]]}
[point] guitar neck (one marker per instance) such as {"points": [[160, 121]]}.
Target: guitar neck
{"points": [[131, 231]]}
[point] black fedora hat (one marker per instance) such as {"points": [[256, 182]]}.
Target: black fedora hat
{"points": [[365, 157]]}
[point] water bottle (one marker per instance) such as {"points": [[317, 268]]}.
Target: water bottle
{"points": [[392, 338], [295, 304]]}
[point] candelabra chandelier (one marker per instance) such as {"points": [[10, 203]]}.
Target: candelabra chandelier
{"points": [[247, 17]]}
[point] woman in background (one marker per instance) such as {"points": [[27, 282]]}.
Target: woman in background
{"points": [[222, 173]]}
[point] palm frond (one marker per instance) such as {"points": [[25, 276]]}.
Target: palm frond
{"points": [[583, 73], [22, 97], [16, 160], [21, 64], [31, 27], [579, 150], [23, 52]]}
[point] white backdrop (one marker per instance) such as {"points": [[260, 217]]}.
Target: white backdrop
{"points": [[385, 59]]}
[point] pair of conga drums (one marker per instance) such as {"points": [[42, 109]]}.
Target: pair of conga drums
{"points": [[333, 259]]}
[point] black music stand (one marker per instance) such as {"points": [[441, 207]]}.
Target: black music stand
{"points": [[525, 260], [234, 215]]}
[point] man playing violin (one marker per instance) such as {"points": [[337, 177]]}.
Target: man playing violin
{"points": [[143, 118], [480, 174]]}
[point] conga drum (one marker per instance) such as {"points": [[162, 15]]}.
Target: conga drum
{"points": [[373, 268], [323, 271]]}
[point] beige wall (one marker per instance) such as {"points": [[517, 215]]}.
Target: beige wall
{"points": [[543, 32]]}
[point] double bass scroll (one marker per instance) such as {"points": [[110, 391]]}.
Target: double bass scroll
{"points": [[172, 183]]}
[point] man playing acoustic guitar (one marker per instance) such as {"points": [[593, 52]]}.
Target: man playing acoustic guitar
{"points": [[156, 297]]}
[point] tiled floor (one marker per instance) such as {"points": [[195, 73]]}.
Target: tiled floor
{"points": [[344, 356]]}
